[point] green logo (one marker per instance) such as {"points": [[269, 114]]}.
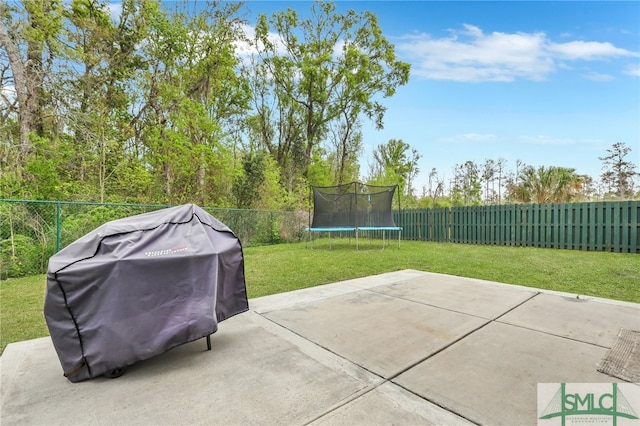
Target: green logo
{"points": [[608, 404]]}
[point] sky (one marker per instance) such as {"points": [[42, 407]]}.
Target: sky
{"points": [[547, 83]]}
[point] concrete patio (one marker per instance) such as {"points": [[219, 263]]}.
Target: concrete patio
{"points": [[406, 347]]}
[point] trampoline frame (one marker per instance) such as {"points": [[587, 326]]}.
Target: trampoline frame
{"points": [[311, 231]]}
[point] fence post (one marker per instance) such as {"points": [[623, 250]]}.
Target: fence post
{"points": [[58, 226]]}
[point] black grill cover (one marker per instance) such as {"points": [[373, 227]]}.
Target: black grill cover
{"points": [[139, 286]]}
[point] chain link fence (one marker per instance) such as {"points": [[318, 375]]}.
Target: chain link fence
{"points": [[32, 231]]}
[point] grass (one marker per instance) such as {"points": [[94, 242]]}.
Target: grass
{"points": [[286, 267], [21, 302]]}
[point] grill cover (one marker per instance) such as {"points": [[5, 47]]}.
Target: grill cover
{"points": [[139, 286]]}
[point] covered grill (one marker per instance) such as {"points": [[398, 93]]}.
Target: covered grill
{"points": [[139, 286]]}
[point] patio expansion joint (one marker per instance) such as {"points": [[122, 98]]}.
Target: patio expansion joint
{"points": [[369, 389], [395, 375], [375, 380], [437, 404], [462, 337], [548, 333], [553, 334], [344, 402], [280, 330], [490, 319], [390, 379], [380, 380]]}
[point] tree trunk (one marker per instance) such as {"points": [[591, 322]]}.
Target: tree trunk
{"points": [[18, 69]]}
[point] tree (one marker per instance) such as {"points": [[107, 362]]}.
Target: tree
{"points": [[589, 189], [25, 42], [77, 124], [619, 173], [190, 96], [276, 126], [321, 69], [467, 186], [321, 170], [489, 170], [94, 104], [396, 162], [246, 187], [436, 187], [546, 185], [500, 170], [347, 145], [149, 105]]}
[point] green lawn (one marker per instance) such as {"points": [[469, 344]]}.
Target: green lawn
{"points": [[286, 267]]}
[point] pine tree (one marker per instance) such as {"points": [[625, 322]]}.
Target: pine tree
{"points": [[619, 173]]}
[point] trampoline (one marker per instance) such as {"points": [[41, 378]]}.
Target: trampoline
{"points": [[353, 209]]}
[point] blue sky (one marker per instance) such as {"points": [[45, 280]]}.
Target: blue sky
{"points": [[548, 83]]}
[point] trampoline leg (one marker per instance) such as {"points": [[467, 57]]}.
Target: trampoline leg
{"points": [[208, 342]]}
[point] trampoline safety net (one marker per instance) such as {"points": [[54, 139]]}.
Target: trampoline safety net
{"points": [[353, 205]]}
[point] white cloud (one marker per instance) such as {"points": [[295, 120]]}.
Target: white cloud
{"points": [[633, 70], [473, 137], [471, 55], [586, 50], [596, 76], [248, 48], [470, 137], [554, 140], [476, 137]]}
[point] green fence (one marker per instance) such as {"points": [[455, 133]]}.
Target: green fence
{"points": [[32, 231], [602, 226]]}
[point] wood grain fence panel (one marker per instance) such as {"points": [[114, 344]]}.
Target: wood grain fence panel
{"points": [[592, 226], [634, 227]]}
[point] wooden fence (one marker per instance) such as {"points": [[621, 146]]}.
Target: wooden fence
{"points": [[598, 226]]}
